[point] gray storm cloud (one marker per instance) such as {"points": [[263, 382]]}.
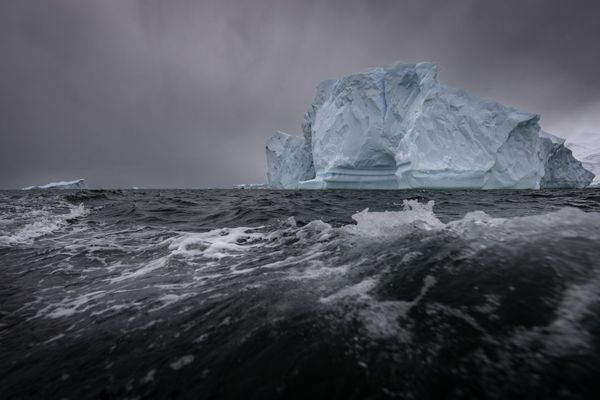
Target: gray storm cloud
{"points": [[183, 93]]}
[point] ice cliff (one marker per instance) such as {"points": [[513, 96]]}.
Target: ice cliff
{"points": [[397, 127], [76, 184], [588, 151]]}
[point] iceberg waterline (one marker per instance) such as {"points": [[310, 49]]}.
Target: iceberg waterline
{"points": [[398, 128]]}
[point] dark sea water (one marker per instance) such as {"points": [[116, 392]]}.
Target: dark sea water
{"points": [[256, 294]]}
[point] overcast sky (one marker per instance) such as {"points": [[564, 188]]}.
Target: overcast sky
{"points": [[183, 93]]}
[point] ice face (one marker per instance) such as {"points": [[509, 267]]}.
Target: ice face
{"points": [[397, 127], [588, 151], [562, 169], [288, 161], [76, 184]]}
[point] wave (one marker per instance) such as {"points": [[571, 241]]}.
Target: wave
{"points": [[353, 259], [479, 301], [23, 225]]}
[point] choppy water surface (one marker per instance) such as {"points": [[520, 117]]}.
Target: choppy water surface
{"points": [[266, 294]]}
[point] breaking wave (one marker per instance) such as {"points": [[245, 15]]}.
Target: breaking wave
{"points": [[22, 225]]}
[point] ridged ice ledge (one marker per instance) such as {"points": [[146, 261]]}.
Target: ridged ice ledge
{"points": [[352, 178]]}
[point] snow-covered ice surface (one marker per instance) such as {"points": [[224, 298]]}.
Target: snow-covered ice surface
{"points": [[588, 151], [76, 184], [398, 128]]}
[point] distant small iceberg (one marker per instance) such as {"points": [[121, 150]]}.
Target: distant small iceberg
{"points": [[76, 184], [252, 186]]}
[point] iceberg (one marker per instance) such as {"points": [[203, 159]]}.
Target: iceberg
{"points": [[398, 128], [76, 184], [251, 186]]}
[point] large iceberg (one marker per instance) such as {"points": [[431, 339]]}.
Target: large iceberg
{"points": [[398, 127], [76, 184]]}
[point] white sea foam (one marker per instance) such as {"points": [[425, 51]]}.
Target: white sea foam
{"points": [[419, 217], [171, 298], [571, 222], [149, 377], [357, 291], [414, 216], [55, 338], [215, 244], [182, 362], [68, 307], [144, 269], [36, 223]]}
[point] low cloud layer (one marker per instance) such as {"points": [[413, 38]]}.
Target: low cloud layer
{"points": [[184, 93]]}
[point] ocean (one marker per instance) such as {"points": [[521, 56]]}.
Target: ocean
{"points": [[259, 294]]}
